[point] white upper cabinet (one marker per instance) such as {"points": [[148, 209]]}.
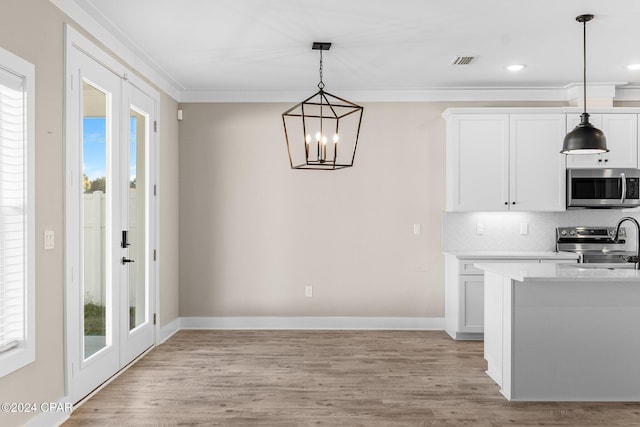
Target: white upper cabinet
{"points": [[537, 169], [621, 131], [478, 162], [500, 162]]}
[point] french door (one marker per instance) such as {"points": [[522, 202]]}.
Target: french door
{"points": [[109, 290]]}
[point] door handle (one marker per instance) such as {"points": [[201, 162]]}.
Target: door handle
{"points": [[623, 178], [124, 244], [127, 260]]}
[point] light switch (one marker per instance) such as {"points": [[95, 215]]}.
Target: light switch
{"points": [[479, 229], [49, 239], [524, 228], [416, 229]]}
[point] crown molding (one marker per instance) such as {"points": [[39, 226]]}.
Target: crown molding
{"points": [[605, 91], [100, 28]]}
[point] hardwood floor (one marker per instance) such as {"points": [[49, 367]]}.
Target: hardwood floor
{"points": [[338, 378]]}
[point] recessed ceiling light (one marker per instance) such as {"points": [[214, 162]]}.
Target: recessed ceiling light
{"points": [[634, 67], [516, 67]]}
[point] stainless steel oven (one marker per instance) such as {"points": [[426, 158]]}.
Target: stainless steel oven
{"points": [[603, 188], [594, 244]]}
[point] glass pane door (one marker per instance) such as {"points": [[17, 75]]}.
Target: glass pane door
{"points": [[138, 295], [96, 194], [109, 292]]}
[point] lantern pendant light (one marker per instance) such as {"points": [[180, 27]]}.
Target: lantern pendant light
{"points": [[319, 121], [585, 138]]}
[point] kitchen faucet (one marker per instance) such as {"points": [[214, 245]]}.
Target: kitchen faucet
{"points": [[634, 259]]}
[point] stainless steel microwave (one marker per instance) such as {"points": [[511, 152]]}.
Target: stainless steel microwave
{"points": [[603, 188]]}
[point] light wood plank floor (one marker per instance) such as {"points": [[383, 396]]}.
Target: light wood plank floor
{"points": [[338, 378]]}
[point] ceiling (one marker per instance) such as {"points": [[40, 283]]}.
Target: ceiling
{"points": [[252, 46]]}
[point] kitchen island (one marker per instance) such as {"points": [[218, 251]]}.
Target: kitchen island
{"points": [[563, 332]]}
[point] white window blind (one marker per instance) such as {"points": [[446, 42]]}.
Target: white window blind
{"points": [[17, 213], [13, 213]]}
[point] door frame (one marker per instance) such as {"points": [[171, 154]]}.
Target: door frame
{"points": [[74, 41]]}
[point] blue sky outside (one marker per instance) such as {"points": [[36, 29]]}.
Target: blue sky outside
{"points": [[94, 147]]}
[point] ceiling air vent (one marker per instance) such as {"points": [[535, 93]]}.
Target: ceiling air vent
{"points": [[463, 60]]}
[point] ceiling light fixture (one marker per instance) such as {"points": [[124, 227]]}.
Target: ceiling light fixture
{"points": [[516, 67], [320, 120], [584, 138], [633, 67]]}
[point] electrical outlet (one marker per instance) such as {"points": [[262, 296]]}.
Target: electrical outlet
{"points": [[308, 291], [524, 228], [479, 229], [416, 229]]}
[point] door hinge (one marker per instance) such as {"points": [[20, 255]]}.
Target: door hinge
{"points": [[155, 190], [154, 254], [155, 126], [154, 318]]}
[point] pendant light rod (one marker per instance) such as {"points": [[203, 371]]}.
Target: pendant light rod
{"points": [[584, 19]]}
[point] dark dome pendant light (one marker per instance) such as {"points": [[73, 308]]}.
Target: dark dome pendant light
{"points": [[585, 138]]}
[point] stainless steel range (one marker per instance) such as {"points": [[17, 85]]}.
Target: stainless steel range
{"points": [[593, 244]]}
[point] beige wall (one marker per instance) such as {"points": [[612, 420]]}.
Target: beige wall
{"points": [[253, 232], [33, 29], [168, 210]]}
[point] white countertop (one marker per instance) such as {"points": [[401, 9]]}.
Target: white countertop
{"points": [[512, 255], [547, 272]]}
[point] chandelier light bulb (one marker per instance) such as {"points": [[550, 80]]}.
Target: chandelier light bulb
{"points": [[308, 138], [324, 140], [318, 136], [336, 138]]}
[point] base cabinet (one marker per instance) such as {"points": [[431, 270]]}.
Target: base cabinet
{"points": [[465, 293]]}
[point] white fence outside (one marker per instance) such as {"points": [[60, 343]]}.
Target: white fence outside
{"points": [[94, 239]]}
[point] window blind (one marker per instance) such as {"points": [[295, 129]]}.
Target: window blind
{"points": [[13, 220]]}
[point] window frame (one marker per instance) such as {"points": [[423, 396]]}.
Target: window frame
{"points": [[24, 354]]}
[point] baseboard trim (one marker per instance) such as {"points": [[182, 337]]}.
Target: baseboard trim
{"points": [[320, 322], [167, 331], [51, 417]]}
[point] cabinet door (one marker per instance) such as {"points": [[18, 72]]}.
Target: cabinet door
{"points": [[478, 162], [583, 160], [537, 169], [472, 312], [621, 131]]}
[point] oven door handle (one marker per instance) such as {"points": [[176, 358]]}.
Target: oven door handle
{"points": [[624, 187]]}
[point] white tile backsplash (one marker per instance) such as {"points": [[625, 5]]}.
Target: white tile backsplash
{"points": [[501, 230]]}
